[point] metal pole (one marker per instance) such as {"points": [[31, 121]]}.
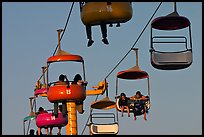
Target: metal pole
{"points": [[136, 52], [43, 72], [71, 127], [116, 98], [175, 10], [59, 32]]}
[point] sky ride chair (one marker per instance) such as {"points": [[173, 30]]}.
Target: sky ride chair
{"points": [[105, 127], [103, 13], [46, 119], [95, 13], [171, 60], [134, 73], [40, 90], [69, 95], [99, 89], [110, 128]]}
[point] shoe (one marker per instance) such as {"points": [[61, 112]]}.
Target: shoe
{"points": [[105, 41], [118, 25], [135, 118], [122, 115], [90, 42], [58, 133], [128, 115], [110, 25]]}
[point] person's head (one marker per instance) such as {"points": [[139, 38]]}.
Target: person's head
{"points": [[62, 77], [60, 108], [138, 94], [41, 109], [77, 77], [123, 95]]}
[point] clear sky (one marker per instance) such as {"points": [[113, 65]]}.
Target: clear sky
{"points": [[29, 37]]}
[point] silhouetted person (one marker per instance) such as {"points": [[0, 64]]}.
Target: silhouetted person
{"points": [[139, 104], [123, 104], [78, 80], [42, 111]]}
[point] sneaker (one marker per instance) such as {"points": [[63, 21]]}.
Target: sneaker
{"points": [[105, 41], [90, 42]]}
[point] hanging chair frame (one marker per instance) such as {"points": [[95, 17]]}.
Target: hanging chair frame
{"points": [[165, 60], [103, 128]]}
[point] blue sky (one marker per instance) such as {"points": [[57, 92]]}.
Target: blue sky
{"points": [[29, 37]]}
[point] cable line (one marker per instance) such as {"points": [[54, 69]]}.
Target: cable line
{"points": [[124, 58], [61, 36], [134, 42], [56, 46], [88, 118], [65, 26]]}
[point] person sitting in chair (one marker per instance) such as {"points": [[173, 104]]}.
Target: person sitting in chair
{"points": [[139, 105], [123, 103]]}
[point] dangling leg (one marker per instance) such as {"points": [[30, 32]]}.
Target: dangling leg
{"points": [[122, 109], [145, 114], [134, 112], [46, 130], [59, 131], [51, 130], [64, 109], [89, 35], [56, 109], [104, 33], [39, 131], [128, 110], [79, 106]]}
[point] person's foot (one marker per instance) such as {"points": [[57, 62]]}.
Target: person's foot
{"points": [[122, 115], [128, 115], [82, 112], [145, 118], [90, 42], [135, 118], [105, 41], [58, 133]]}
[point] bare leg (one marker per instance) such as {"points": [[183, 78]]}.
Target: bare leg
{"points": [[39, 131], [145, 115], [46, 130], [128, 110]]}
